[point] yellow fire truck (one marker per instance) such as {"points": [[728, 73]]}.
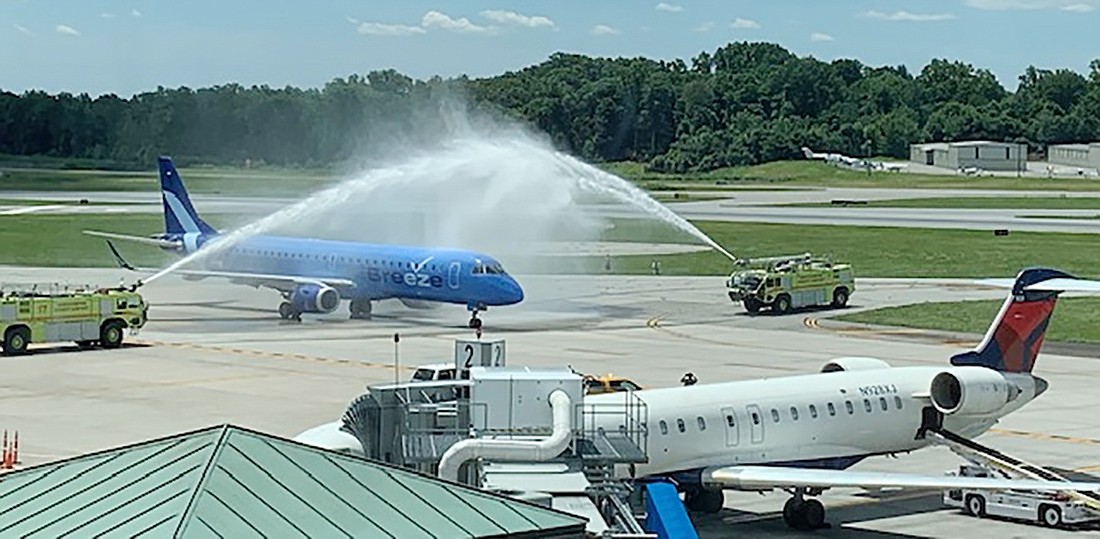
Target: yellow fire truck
{"points": [[85, 316], [783, 283]]}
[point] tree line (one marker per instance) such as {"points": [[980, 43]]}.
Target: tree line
{"points": [[744, 103]]}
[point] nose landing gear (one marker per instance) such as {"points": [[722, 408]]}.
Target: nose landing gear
{"points": [[474, 308]]}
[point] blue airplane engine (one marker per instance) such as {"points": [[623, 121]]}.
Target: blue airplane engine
{"points": [[312, 298]]}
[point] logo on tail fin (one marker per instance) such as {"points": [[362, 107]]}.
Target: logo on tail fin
{"points": [[1013, 341], [180, 216]]}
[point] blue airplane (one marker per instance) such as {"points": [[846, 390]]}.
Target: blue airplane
{"points": [[313, 275]]}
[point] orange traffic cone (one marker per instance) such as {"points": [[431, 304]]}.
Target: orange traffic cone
{"points": [[4, 454], [15, 450]]}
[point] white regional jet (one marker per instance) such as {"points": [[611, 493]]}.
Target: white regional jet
{"points": [[801, 433]]}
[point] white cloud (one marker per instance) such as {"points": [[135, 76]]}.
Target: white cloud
{"points": [[603, 30], [818, 36], [67, 30], [380, 29], [135, 13], [1076, 6], [107, 15], [705, 27], [909, 17], [446, 22], [744, 23], [518, 19], [669, 8], [352, 20], [24, 30]]}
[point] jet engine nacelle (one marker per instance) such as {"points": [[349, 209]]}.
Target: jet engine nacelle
{"points": [[841, 364], [971, 391], [312, 298]]}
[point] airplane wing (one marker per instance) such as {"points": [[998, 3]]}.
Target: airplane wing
{"points": [[159, 242], [279, 282], [1058, 284], [284, 283], [779, 477]]}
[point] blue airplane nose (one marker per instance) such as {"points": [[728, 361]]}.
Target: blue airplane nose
{"points": [[513, 291]]}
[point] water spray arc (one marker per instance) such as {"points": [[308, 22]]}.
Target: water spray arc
{"points": [[485, 192]]}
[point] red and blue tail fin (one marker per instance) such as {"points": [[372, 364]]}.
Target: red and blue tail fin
{"points": [[1013, 341]]}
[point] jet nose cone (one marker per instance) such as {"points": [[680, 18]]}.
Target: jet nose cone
{"points": [[514, 291], [1040, 386]]}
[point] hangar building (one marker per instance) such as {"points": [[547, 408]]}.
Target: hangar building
{"points": [[1075, 155], [981, 154], [231, 482]]}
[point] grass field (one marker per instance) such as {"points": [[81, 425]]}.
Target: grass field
{"points": [[814, 173], [1074, 320], [55, 240], [874, 251], [981, 203], [268, 182]]}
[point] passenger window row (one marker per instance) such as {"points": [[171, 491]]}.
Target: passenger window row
{"points": [[731, 421], [344, 259], [868, 407], [700, 423]]}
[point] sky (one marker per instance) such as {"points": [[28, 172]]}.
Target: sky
{"points": [[130, 46]]}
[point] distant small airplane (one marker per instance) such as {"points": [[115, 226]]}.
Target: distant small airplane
{"points": [[313, 275], [853, 162]]}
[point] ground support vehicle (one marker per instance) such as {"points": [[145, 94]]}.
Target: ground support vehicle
{"points": [[1049, 509], [784, 283], [89, 317]]}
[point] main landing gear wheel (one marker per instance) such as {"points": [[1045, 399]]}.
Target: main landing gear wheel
{"points": [[705, 500], [802, 514], [287, 312], [360, 309]]}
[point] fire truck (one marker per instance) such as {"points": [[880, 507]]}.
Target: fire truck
{"points": [[86, 316], [783, 283]]}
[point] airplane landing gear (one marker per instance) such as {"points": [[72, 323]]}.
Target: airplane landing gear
{"points": [[802, 514], [360, 309], [474, 308], [287, 312], [704, 500]]}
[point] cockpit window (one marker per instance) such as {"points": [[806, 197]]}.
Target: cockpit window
{"points": [[494, 269]]}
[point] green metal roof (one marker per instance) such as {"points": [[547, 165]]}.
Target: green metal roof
{"points": [[231, 482]]}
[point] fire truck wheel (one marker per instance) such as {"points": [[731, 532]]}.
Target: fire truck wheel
{"points": [[15, 341], [110, 335], [840, 297], [782, 304]]}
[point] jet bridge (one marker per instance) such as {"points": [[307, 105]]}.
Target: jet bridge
{"points": [[522, 431]]}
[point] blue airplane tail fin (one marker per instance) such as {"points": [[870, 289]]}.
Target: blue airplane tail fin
{"points": [[180, 216]]}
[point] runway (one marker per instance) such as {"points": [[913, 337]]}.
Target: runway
{"points": [[742, 205], [215, 353]]}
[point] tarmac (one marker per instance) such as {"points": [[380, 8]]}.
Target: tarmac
{"points": [[217, 353]]}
